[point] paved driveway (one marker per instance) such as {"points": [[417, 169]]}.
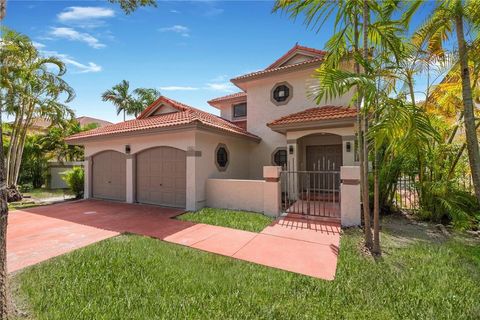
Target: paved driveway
{"points": [[37, 234]]}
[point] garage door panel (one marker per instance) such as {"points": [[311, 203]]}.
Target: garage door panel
{"points": [[108, 176], [161, 176]]}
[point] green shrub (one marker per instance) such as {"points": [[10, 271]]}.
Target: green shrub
{"points": [[75, 180], [27, 187]]}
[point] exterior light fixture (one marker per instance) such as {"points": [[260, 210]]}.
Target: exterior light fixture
{"points": [[127, 149], [290, 149], [348, 146]]}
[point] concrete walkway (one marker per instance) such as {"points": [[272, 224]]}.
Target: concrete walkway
{"points": [[309, 248], [40, 233]]}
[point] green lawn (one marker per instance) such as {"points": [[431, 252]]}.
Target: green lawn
{"points": [[421, 276], [42, 193], [242, 220]]}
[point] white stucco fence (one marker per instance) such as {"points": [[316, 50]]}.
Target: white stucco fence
{"points": [[264, 195], [235, 194]]}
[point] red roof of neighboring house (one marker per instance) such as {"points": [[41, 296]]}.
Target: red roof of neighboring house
{"points": [[83, 120], [185, 115], [316, 114], [289, 53], [229, 97]]}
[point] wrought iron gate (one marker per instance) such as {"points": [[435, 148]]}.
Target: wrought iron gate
{"points": [[311, 193]]}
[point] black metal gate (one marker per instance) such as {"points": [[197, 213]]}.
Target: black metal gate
{"points": [[311, 193]]}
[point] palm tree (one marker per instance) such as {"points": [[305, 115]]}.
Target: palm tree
{"points": [[145, 97], [31, 88], [450, 15], [346, 34], [120, 96]]}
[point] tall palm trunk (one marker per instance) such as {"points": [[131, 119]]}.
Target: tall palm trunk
{"points": [[366, 202], [3, 230], [469, 115]]}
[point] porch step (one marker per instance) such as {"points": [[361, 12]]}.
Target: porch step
{"points": [[303, 217]]}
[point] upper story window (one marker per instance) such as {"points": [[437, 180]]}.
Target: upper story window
{"points": [[281, 93], [240, 110]]}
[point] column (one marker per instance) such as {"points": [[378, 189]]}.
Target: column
{"points": [[87, 167], [272, 191], [130, 178], [350, 205]]}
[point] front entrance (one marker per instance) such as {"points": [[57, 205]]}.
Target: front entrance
{"points": [[324, 157], [315, 190]]}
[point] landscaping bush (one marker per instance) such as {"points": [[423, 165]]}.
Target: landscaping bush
{"points": [[27, 187], [75, 179]]}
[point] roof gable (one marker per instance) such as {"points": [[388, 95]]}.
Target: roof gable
{"points": [[296, 55], [162, 105]]}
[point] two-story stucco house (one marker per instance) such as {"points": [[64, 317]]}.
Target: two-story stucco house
{"points": [[166, 155]]}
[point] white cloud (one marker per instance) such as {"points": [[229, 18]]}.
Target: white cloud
{"points": [[85, 13], [182, 30], [178, 88], [174, 11], [38, 45], [221, 86], [90, 67], [72, 34]]}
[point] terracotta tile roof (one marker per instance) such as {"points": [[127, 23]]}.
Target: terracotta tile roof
{"points": [[185, 115], [277, 65], [316, 114], [228, 97], [267, 71], [291, 51]]}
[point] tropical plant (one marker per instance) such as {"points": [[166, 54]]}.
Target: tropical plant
{"points": [[31, 88], [130, 103], [34, 163], [447, 19], [75, 180]]}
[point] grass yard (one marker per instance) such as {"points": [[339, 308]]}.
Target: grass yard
{"points": [[422, 275], [243, 220], [42, 193]]}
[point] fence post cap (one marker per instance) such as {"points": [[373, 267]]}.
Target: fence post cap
{"points": [[271, 171], [350, 172]]}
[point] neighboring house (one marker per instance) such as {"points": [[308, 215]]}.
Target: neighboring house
{"points": [[40, 125], [168, 153]]}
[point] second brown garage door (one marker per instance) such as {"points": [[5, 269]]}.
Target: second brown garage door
{"points": [[161, 177]]}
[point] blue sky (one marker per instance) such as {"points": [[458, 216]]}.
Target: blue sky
{"points": [[188, 50]]}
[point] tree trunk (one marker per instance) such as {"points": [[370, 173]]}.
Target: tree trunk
{"points": [[366, 202], [469, 115], [3, 231]]}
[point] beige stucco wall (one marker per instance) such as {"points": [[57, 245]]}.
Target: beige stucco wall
{"points": [[205, 167], [200, 146], [235, 194], [261, 110]]}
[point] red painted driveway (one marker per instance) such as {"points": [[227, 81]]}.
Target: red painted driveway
{"points": [[37, 234]]}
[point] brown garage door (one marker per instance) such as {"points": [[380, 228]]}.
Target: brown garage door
{"points": [[108, 175], [161, 177]]}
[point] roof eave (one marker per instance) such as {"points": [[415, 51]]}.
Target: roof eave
{"points": [[244, 79], [317, 124]]}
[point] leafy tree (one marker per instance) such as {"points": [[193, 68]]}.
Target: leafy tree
{"points": [[128, 6], [131, 103], [449, 18], [32, 87]]}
